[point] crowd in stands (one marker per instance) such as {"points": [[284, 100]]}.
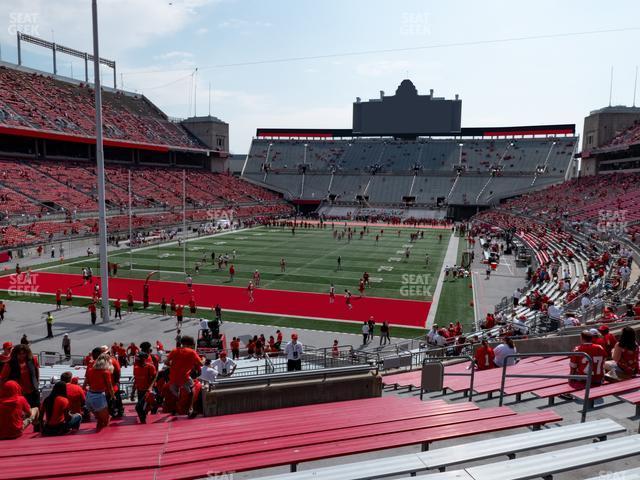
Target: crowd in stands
{"points": [[37, 188], [36, 101], [629, 136], [171, 380]]}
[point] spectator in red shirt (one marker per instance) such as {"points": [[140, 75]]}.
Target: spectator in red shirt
{"points": [[144, 375], [179, 316], [6, 353], [578, 363], [23, 368], [15, 412], [58, 299], [181, 361], [608, 339], [75, 394], [626, 358], [99, 384], [484, 356], [152, 358], [55, 416], [132, 351]]}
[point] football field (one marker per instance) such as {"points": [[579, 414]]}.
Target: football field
{"points": [[400, 289]]}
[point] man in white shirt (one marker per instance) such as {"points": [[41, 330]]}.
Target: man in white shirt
{"points": [[208, 373], [571, 321], [625, 275], [516, 297], [439, 340], [431, 335], [294, 350], [204, 324], [223, 365]]}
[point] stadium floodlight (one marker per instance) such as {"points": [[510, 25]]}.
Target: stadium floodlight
{"points": [[102, 210]]}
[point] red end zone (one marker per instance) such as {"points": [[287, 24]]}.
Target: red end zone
{"points": [[407, 313]]}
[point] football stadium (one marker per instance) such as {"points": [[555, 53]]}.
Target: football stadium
{"points": [[310, 283]]}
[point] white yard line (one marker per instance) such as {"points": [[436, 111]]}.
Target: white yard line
{"points": [[450, 259], [119, 253]]}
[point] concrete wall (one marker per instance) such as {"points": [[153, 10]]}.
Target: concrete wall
{"points": [[601, 126], [211, 131], [226, 401]]}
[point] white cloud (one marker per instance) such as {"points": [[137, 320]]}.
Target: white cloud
{"points": [[380, 68], [124, 24], [238, 23], [174, 55]]}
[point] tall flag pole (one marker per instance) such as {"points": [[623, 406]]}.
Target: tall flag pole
{"points": [[130, 226], [184, 220], [102, 211]]}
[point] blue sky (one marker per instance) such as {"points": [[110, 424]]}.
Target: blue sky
{"points": [[158, 43]]}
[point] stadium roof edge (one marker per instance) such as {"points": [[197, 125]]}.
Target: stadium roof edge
{"points": [[522, 130]]}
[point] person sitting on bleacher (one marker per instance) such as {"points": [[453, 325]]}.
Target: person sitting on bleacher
{"points": [[608, 340], [484, 358], [75, 395], [578, 363], [55, 415], [501, 351], [626, 362], [15, 412]]}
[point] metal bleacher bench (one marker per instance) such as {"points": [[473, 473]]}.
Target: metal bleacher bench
{"points": [[444, 457], [631, 474]]}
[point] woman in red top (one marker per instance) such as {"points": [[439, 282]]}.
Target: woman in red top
{"points": [[15, 412], [54, 413], [625, 363], [23, 368], [99, 386], [144, 376]]}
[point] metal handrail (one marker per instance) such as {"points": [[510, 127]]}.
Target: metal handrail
{"points": [[472, 374], [586, 378], [267, 380]]}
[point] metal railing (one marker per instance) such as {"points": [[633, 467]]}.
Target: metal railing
{"points": [[471, 375], [586, 378], [270, 379]]}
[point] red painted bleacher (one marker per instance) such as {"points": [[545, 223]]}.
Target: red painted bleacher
{"points": [[183, 449]]}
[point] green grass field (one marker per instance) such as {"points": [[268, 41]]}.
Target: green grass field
{"points": [[311, 260], [311, 265]]}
